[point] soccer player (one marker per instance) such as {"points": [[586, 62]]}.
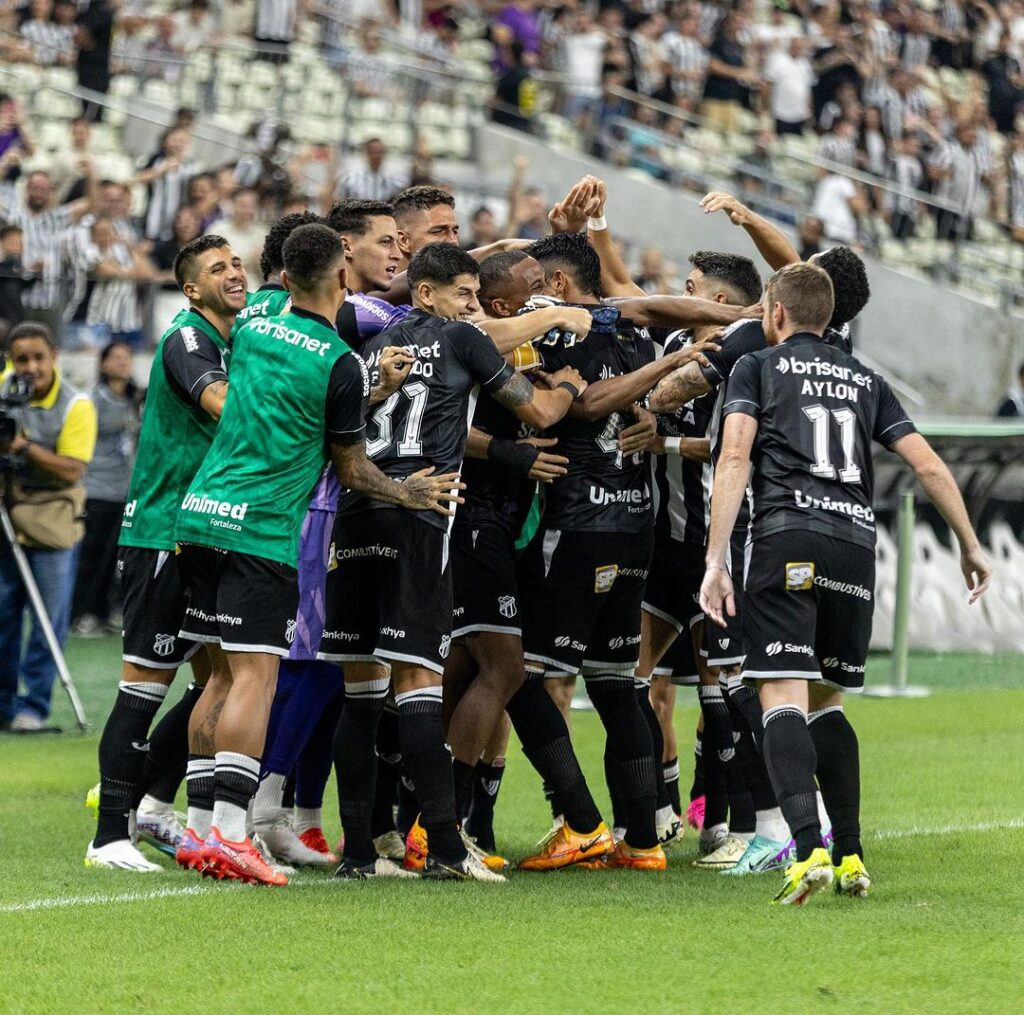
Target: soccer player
{"points": [[424, 214], [297, 390], [584, 573], [389, 602], [186, 393], [800, 416]]}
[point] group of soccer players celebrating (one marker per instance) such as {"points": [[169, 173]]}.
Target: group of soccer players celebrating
{"points": [[395, 502]]}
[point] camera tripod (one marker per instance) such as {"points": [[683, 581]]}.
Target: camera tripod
{"points": [[42, 617]]}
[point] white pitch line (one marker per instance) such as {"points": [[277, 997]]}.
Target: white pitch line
{"points": [[64, 902]]}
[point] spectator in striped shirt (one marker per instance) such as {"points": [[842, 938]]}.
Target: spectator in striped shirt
{"points": [[46, 230], [51, 43], [371, 183], [687, 60], [166, 175], [840, 145]]}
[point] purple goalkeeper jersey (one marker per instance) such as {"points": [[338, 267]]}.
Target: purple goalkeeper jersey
{"points": [[373, 315]]}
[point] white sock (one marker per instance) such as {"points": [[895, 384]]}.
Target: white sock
{"points": [[269, 797], [306, 818], [199, 820], [709, 834], [826, 822], [772, 825], [229, 820], [745, 836]]}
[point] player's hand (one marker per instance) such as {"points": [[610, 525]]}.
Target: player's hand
{"points": [[571, 213], [576, 321], [977, 571], [717, 598], [640, 435], [395, 364], [547, 467], [570, 374], [717, 200], [426, 492], [697, 352], [755, 312]]}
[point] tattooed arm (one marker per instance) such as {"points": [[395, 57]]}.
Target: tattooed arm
{"points": [[678, 388], [536, 406], [422, 491], [395, 364]]}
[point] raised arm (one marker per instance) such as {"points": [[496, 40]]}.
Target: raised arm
{"points": [[682, 311], [940, 486], [770, 241]]}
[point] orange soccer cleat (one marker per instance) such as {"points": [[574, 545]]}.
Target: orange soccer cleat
{"points": [[240, 861], [415, 847], [564, 847], [314, 839], [189, 852], [625, 857]]}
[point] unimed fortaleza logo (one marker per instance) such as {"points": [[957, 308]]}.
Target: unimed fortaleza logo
{"points": [[217, 508]]}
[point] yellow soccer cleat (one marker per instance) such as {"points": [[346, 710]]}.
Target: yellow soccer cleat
{"points": [[564, 847], [92, 800], [805, 877], [851, 878]]}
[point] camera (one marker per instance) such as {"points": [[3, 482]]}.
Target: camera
{"points": [[15, 391]]}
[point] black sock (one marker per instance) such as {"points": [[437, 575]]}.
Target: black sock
{"points": [[288, 795], [616, 792], [486, 783], [199, 782], [745, 701], [719, 737], [749, 759], [164, 769], [422, 736], [643, 697], [632, 752], [716, 792], [122, 755], [670, 773], [355, 762], [557, 810], [462, 780], [545, 739], [389, 772], [408, 805], [791, 760], [697, 788], [838, 771]]}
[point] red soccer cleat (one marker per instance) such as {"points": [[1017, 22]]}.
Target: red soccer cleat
{"points": [[189, 852], [237, 860], [314, 839]]}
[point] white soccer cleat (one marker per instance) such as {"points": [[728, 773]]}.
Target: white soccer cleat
{"points": [[725, 857], [382, 867], [159, 824], [670, 825], [390, 845], [712, 839], [268, 857], [287, 847], [120, 855], [470, 869]]}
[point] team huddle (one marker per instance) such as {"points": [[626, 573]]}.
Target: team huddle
{"points": [[394, 503]]}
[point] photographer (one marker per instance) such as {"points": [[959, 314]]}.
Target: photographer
{"points": [[43, 491]]}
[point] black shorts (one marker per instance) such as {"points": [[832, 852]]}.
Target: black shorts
{"points": [[241, 602], [581, 594], [726, 646], [810, 600], [389, 597], [673, 587], [678, 663], [484, 586], [154, 605]]}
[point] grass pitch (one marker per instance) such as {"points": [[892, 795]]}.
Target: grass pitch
{"points": [[944, 834]]}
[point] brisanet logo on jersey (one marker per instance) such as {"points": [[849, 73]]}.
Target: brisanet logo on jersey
{"points": [[222, 510], [832, 380]]}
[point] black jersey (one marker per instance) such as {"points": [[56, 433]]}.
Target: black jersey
{"points": [[682, 490], [603, 490], [426, 422], [494, 495], [818, 409]]}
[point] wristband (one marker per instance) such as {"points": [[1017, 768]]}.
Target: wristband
{"points": [[514, 457], [597, 224], [672, 445], [571, 388]]}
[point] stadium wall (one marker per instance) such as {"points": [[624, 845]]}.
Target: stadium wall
{"points": [[957, 354]]}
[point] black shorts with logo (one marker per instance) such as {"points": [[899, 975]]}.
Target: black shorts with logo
{"points": [[673, 587], [389, 591], [810, 600], [154, 605], [678, 663], [726, 646], [581, 594], [242, 602], [484, 586]]}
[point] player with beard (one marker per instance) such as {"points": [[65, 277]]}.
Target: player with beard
{"points": [[802, 415], [386, 560], [187, 388]]}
